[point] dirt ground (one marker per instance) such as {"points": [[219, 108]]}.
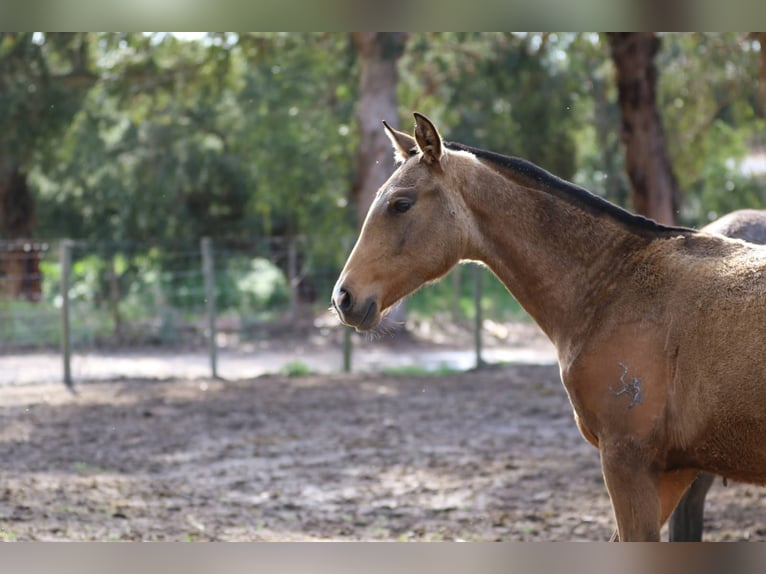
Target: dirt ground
{"points": [[489, 455]]}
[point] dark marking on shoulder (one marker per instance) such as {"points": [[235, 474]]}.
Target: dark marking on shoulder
{"points": [[631, 388]]}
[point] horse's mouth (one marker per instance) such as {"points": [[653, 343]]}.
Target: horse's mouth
{"points": [[370, 319], [363, 319]]}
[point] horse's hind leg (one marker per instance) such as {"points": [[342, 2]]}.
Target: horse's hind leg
{"points": [[686, 521], [673, 485]]}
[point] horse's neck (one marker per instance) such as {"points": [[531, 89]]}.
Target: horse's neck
{"points": [[556, 258]]}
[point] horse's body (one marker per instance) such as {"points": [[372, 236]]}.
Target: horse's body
{"points": [[746, 224], [686, 521], [659, 330]]}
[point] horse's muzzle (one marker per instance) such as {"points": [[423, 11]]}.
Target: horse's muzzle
{"points": [[361, 315]]}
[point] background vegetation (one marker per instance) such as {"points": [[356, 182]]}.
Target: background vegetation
{"points": [[136, 140]]}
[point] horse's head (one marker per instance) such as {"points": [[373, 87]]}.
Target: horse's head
{"points": [[413, 232]]}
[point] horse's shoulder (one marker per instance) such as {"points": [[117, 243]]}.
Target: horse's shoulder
{"points": [[618, 379]]}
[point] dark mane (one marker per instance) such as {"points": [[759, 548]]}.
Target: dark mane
{"points": [[568, 191]]}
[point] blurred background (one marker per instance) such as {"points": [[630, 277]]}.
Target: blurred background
{"points": [[176, 207], [182, 203]]}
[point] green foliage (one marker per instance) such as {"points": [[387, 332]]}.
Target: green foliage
{"points": [[43, 79], [708, 98], [295, 369], [263, 285], [86, 278], [236, 136], [297, 111], [511, 93], [27, 324], [153, 139], [457, 297], [227, 137]]}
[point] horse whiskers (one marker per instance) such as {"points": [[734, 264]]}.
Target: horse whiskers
{"points": [[387, 327], [371, 335], [378, 332], [390, 326]]}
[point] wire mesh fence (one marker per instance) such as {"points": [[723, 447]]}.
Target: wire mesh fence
{"points": [[186, 309], [29, 319]]}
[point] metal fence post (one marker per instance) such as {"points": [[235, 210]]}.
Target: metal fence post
{"points": [[348, 343], [457, 314], [478, 289], [65, 259], [208, 272], [292, 274], [347, 347]]}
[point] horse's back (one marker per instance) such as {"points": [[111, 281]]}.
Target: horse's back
{"points": [[746, 224]]}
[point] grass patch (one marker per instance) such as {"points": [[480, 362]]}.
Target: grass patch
{"points": [[419, 371], [86, 469], [295, 369]]}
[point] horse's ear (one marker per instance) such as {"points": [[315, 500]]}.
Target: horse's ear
{"points": [[428, 138], [404, 145]]}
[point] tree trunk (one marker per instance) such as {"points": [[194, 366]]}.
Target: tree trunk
{"points": [[654, 186], [19, 265], [761, 37], [17, 205], [378, 54]]}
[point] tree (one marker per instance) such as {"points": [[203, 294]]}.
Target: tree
{"points": [[654, 186], [378, 54], [154, 138], [43, 80], [296, 102], [761, 38], [241, 137], [146, 156], [710, 112]]}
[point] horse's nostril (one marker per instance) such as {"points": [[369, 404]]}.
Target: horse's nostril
{"points": [[343, 300]]}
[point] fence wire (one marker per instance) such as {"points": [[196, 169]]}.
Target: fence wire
{"points": [[161, 310], [30, 320]]}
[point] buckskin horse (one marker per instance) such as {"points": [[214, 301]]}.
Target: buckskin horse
{"points": [[659, 330], [686, 521]]}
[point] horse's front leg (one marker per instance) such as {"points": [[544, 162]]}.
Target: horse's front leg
{"points": [[633, 490], [642, 498]]}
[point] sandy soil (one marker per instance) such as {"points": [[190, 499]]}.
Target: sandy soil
{"points": [[490, 455]]}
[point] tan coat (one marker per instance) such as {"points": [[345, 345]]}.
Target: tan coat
{"points": [[660, 331]]}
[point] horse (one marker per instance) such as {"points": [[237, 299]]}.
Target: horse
{"points": [[659, 330], [686, 521], [746, 224]]}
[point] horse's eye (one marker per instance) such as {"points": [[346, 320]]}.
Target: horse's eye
{"points": [[401, 205]]}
